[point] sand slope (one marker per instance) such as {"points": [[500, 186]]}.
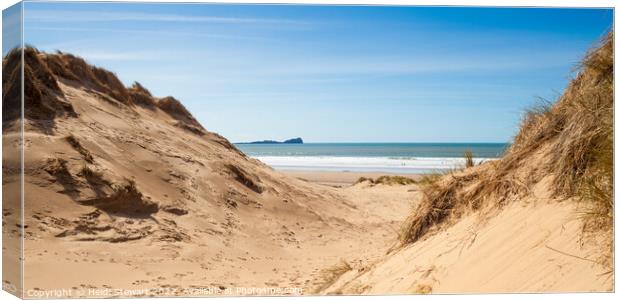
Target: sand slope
{"points": [[524, 248], [126, 190]]}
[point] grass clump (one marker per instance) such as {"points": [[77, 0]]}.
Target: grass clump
{"points": [[127, 190], [89, 173], [387, 180], [93, 177], [423, 289], [429, 179], [126, 199], [588, 169], [175, 109], [57, 166], [364, 179], [442, 198], [75, 68], [330, 275], [75, 143], [24, 70], [141, 96], [583, 156], [469, 158], [250, 181]]}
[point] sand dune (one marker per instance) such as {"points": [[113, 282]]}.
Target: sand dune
{"points": [[126, 190], [524, 248]]}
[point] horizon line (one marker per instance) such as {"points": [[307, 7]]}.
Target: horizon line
{"points": [[348, 142]]}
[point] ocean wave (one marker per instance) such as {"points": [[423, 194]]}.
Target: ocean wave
{"points": [[366, 164]]}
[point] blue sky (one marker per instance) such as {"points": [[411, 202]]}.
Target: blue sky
{"points": [[332, 73]]}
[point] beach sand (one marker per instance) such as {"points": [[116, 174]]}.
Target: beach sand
{"points": [[340, 179]]}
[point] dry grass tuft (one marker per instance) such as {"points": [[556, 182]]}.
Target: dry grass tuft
{"points": [[126, 199], [44, 99], [93, 176], [58, 166], [364, 179], [330, 275], [90, 173], [75, 143], [176, 110], [141, 96], [250, 181], [429, 179], [584, 151], [42, 94], [570, 141], [387, 180], [469, 158], [442, 198], [74, 68], [423, 289]]}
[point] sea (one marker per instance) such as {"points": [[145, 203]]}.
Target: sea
{"points": [[411, 158]]}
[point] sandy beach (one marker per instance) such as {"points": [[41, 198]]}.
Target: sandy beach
{"points": [[341, 179]]}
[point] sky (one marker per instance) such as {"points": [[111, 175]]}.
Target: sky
{"points": [[332, 73]]}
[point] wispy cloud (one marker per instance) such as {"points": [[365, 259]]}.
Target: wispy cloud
{"points": [[150, 32], [97, 55], [121, 56], [381, 65], [41, 15]]}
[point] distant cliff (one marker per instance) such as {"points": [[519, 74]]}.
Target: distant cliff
{"points": [[290, 141]]}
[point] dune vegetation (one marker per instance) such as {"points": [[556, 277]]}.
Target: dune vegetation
{"points": [[387, 180]]}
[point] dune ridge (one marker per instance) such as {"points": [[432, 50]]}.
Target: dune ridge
{"points": [[128, 190]]}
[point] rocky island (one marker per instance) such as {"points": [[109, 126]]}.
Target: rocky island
{"points": [[289, 141]]}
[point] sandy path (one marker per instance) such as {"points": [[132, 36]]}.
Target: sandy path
{"points": [[235, 265]]}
